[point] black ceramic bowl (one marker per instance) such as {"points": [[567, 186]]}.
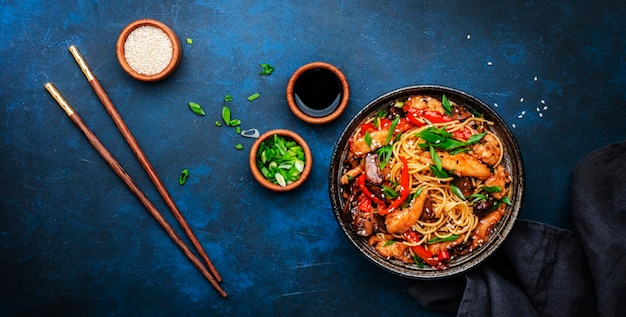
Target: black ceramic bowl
{"points": [[512, 161]]}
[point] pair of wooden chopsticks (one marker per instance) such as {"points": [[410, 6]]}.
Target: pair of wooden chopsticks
{"points": [[213, 276]]}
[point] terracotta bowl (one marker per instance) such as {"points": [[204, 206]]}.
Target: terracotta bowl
{"points": [[176, 50], [289, 135], [345, 91], [512, 160]]}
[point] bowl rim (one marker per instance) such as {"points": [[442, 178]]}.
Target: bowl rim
{"points": [[501, 231], [259, 176], [176, 50], [345, 91]]}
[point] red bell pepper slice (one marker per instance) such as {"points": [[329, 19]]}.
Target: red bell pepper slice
{"points": [[365, 127], [361, 183], [365, 204], [462, 134], [421, 252], [414, 115], [404, 189]]}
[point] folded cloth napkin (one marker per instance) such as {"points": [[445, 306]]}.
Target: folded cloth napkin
{"points": [[541, 270]]}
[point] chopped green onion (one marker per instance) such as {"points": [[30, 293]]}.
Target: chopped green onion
{"points": [[492, 189], [439, 173], [506, 200], [280, 180], [234, 122], [254, 96], [239, 146], [238, 130], [182, 178], [392, 128], [457, 191], [189, 41], [389, 242], [196, 108], [446, 105], [368, 139], [477, 197], [226, 115], [389, 192], [218, 123], [228, 98], [384, 154], [446, 239], [435, 157], [267, 69]]}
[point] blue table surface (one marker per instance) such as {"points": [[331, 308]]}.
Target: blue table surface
{"points": [[75, 241]]}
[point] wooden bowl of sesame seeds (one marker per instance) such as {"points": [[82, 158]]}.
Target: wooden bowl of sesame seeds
{"points": [[148, 50]]}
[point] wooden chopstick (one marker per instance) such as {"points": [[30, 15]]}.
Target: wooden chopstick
{"points": [[115, 165], [130, 139]]}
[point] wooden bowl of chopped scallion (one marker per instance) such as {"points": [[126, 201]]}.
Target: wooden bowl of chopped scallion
{"points": [[280, 160]]}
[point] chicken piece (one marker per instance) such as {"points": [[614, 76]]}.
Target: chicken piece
{"points": [[351, 174], [425, 103], [378, 138], [485, 227], [435, 248], [499, 178], [487, 150], [396, 250], [401, 220], [461, 164]]}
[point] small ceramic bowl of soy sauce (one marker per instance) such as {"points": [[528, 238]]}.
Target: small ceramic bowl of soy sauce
{"points": [[318, 93]]}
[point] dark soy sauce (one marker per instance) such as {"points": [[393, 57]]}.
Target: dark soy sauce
{"points": [[317, 92]]}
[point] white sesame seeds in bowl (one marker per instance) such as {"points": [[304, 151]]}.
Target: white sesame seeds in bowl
{"points": [[148, 50]]}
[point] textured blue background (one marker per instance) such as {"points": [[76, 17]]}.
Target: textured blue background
{"points": [[75, 241]]}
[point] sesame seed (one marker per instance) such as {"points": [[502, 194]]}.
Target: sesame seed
{"points": [[148, 50], [538, 109], [520, 116], [489, 63], [495, 105], [540, 114], [468, 36], [513, 125], [524, 112], [543, 101], [545, 108], [535, 79], [521, 99]]}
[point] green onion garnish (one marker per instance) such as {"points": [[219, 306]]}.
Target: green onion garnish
{"points": [[196, 108], [254, 96], [182, 178]]}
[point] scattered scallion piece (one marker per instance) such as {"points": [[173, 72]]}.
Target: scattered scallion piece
{"points": [[218, 123], [196, 108], [228, 98], [182, 178], [226, 115], [189, 41], [234, 122], [239, 146], [238, 130], [254, 96], [267, 69]]}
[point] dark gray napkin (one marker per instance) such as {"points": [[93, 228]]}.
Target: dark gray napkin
{"points": [[541, 270]]}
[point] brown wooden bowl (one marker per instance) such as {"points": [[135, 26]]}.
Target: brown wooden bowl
{"points": [[308, 164], [345, 91], [176, 50]]}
